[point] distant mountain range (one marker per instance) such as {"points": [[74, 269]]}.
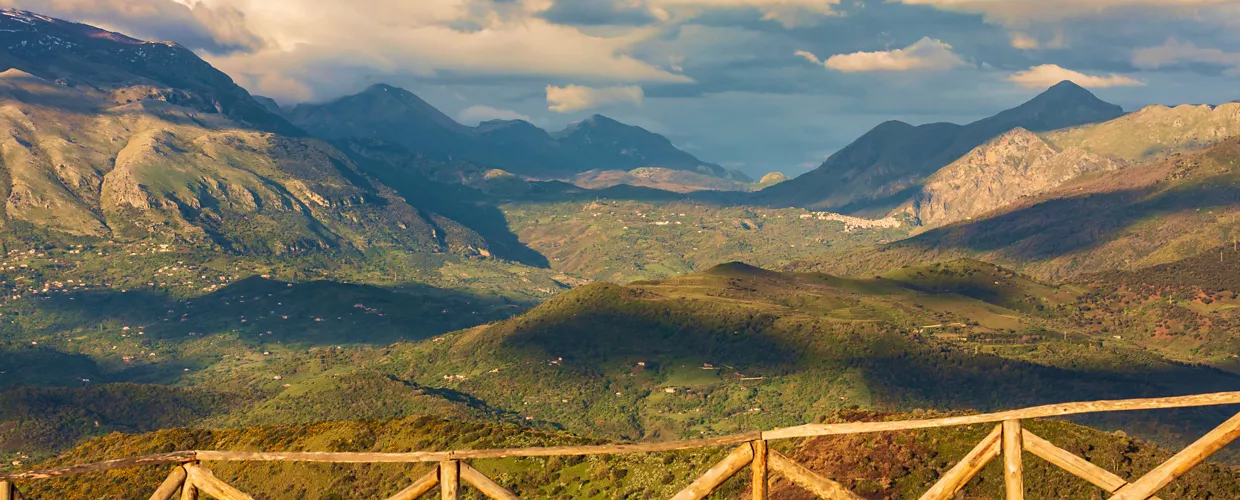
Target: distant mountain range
{"points": [[399, 117], [883, 168], [119, 137]]}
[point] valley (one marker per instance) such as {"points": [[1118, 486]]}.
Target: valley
{"points": [[185, 265]]}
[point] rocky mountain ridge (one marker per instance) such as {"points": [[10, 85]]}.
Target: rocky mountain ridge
{"points": [[882, 168], [397, 116], [1007, 168]]}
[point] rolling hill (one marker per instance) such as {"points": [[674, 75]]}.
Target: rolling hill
{"points": [[722, 351]]}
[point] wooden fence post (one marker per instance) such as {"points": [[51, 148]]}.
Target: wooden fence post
{"points": [[759, 470], [6, 490], [449, 479], [1013, 469]]}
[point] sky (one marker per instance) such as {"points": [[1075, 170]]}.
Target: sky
{"points": [[756, 85]]}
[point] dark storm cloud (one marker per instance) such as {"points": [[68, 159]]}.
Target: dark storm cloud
{"points": [[596, 13]]}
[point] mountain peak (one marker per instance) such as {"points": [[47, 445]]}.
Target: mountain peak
{"points": [[1068, 93], [383, 87], [1068, 84]]}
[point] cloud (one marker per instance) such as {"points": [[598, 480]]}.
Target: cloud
{"points": [[218, 29], [1020, 12], [809, 56], [1047, 75], [477, 114], [1174, 53], [789, 13], [576, 97], [1024, 42], [319, 49], [926, 54]]}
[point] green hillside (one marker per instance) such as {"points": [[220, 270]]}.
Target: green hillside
{"points": [[722, 351], [624, 238]]}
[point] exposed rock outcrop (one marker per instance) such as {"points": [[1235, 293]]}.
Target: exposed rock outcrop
{"points": [[1000, 172]]}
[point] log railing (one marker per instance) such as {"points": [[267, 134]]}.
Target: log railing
{"points": [[188, 479]]}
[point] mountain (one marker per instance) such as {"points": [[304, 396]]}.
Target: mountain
{"points": [[1002, 171], [1154, 132], [678, 181], [602, 143], [73, 55], [1141, 216], [882, 168], [108, 137], [387, 113], [270, 104], [397, 116]]}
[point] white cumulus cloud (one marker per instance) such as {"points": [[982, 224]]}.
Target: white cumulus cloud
{"points": [[577, 97], [316, 49], [926, 54], [1047, 75]]}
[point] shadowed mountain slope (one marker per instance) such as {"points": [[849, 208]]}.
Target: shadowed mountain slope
{"points": [[874, 173]]}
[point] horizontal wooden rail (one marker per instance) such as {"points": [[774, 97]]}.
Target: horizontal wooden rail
{"points": [[1055, 410], [176, 457]]}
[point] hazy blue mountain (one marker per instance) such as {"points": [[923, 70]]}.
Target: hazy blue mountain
{"points": [[399, 117], [876, 172]]}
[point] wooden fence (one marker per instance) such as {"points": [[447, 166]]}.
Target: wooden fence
{"points": [[189, 478]]}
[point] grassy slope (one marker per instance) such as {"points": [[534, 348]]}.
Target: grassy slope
{"points": [[730, 349], [622, 240]]}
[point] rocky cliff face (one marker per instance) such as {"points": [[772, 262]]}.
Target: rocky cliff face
{"points": [[1002, 171], [88, 167]]}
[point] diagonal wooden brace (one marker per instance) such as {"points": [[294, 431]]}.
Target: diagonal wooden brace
{"points": [[204, 480], [171, 485], [954, 480], [484, 484], [1073, 464], [808, 479], [418, 488], [1194, 454], [715, 476]]}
